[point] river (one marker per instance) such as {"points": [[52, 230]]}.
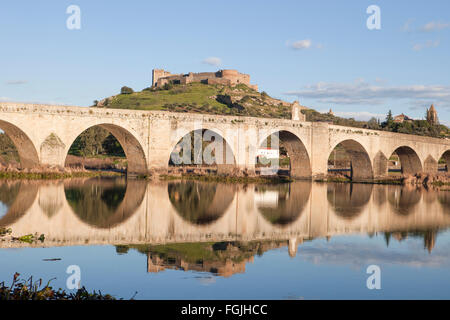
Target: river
{"points": [[199, 240]]}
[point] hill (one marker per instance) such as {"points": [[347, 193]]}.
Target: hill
{"points": [[201, 98], [242, 100]]}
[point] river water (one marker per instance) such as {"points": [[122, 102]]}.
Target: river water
{"points": [[198, 240]]}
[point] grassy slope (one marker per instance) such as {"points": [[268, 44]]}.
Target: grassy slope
{"points": [[244, 101], [203, 98]]}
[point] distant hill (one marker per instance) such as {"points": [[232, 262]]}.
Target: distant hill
{"points": [[241, 100], [202, 98]]}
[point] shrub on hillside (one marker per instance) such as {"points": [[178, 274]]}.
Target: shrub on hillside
{"points": [[126, 90]]}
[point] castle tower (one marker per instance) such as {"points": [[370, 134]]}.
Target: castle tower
{"points": [[157, 74], [432, 117]]}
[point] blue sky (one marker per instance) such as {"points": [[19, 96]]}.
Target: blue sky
{"points": [[320, 52]]}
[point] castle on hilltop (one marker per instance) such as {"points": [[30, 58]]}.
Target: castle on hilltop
{"points": [[228, 77]]}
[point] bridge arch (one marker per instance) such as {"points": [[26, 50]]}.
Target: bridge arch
{"points": [[360, 163], [299, 160], [134, 152], [26, 149], [409, 159], [204, 146], [445, 160]]}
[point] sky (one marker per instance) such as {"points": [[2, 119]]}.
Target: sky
{"points": [[321, 53]]}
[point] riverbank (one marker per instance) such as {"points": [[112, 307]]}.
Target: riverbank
{"points": [[49, 173], [210, 175]]}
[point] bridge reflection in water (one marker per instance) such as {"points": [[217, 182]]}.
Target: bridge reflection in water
{"points": [[214, 227]]}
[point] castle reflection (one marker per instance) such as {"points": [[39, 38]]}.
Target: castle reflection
{"points": [[215, 227]]}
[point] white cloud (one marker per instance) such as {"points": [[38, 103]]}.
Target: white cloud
{"points": [[407, 26], [319, 46], [428, 44], [213, 61], [431, 26], [300, 44], [4, 99], [16, 82], [435, 26], [357, 115], [363, 93]]}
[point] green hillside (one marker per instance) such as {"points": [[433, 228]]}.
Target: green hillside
{"points": [[241, 100], [201, 98]]}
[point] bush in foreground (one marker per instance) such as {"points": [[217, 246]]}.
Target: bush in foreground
{"points": [[28, 290]]}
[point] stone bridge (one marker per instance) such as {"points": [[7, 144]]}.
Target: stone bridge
{"points": [[43, 135]]}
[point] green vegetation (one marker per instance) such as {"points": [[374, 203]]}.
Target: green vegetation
{"points": [[96, 141], [22, 289], [126, 90], [8, 152], [417, 127], [201, 98], [28, 238], [243, 101]]}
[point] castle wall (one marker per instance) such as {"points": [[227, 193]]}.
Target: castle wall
{"points": [[224, 77]]}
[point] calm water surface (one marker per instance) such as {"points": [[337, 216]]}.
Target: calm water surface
{"points": [[178, 240]]}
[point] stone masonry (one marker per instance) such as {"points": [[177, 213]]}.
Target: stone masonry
{"points": [[43, 135]]}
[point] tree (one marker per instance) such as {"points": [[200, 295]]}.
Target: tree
{"points": [[90, 142], [389, 121], [112, 147], [389, 117], [373, 124], [126, 90]]}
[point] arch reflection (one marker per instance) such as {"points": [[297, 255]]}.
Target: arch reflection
{"points": [[104, 202], [15, 199], [444, 199], [200, 203], [282, 204], [403, 199], [348, 199]]}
